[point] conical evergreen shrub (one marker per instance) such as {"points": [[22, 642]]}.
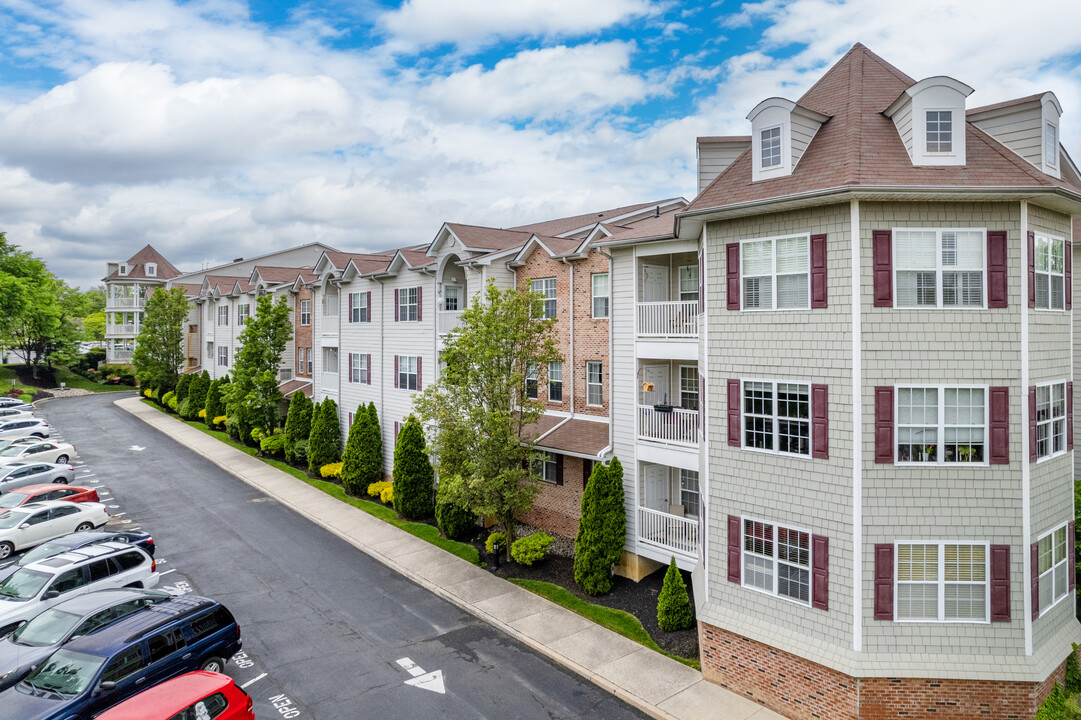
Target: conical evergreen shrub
{"points": [[353, 455], [413, 475], [371, 450], [601, 529], [182, 386], [674, 610], [214, 405], [298, 423], [325, 443]]}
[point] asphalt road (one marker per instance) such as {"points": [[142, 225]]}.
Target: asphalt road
{"points": [[324, 625]]}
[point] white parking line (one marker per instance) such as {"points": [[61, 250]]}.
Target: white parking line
{"points": [[255, 679], [113, 507], [83, 477], [167, 572], [120, 515]]}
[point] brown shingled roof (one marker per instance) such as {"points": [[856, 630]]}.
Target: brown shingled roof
{"points": [[417, 258], [1005, 104], [574, 222], [584, 437], [137, 266], [274, 274], [486, 238]]}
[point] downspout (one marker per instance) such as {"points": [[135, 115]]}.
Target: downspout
{"points": [[571, 269], [611, 375], [382, 359]]}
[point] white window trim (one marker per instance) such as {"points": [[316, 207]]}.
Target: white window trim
{"points": [[1051, 572], [532, 374], [773, 273], [743, 419], [337, 361], [1049, 273], [1054, 149], [401, 372], [698, 384], [679, 280], [355, 360], [304, 312], [762, 167], [549, 393], [600, 384], [546, 459], [553, 299], [942, 580], [242, 317], [404, 306], [459, 295], [224, 308], [594, 296], [743, 560], [151, 270], [952, 152], [940, 461], [1051, 422], [358, 304], [697, 493], [938, 267], [223, 356]]}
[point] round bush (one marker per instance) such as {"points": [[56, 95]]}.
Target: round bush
{"points": [[495, 542], [530, 549], [455, 521]]}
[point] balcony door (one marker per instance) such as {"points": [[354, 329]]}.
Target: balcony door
{"points": [[654, 283], [655, 490], [658, 375]]}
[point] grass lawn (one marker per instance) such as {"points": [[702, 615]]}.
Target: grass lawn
{"points": [[63, 375], [423, 531], [618, 621]]}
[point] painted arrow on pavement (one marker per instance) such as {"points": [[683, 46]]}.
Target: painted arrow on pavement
{"points": [[425, 681]]}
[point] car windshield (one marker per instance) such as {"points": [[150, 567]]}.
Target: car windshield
{"points": [[23, 584], [12, 451], [66, 672], [43, 551], [12, 519], [12, 499], [48, 628]]}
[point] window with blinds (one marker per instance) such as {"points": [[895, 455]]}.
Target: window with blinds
{"points": [[776, 273], [942, 582], [941, 424], [1052, 567], [939, 268], [1050, 273]]}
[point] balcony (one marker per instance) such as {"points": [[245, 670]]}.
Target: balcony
{"points": [[448, 320], [118, 355], [123, 303], [675, 319], [672, 533], [329, 325], [117, 329], [676, 426], [329, 383]]}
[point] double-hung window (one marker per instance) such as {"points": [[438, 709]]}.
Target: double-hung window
{"points": [[771, 147], [452, 296], [777, 416], [1052, 561], [1050, 145], [939, 268], [939, 131], [547, 467], [942, 582], [300, 359], [941, 424], [1050, 273], [777, 560], [407, 304], [688, 387], [688, 492], [223, 356], [555, 382], [243, 312], [305, 312], [600, 295], [531, 381], [547, 288], [407, 372], [358, 364], [776, 273], [594, 384], [330, 360], [358, 301], [223, 315], [1050, 420], [688, 283], [310, 361]]}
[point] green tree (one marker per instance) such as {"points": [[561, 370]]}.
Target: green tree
{"points": [[352, 457], [481, 409], [94, 327], [325, 443], [197, 392], [601, 529], [1072, 681], [298, 422], [414, 479], [215, 406], [674, 610], [182, 386], [253, 397], [371, 450], [159, 349]]}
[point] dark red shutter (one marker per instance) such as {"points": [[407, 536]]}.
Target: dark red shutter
{"points": [[368, 304], [883, 424], [396, 291], [420, 303], [701, 280], [820, 572], [559, 469], [1069, 415], [1032, 423], [882, 249], [368, 369], [350, 379], [1000, 426], [1000, 583], [883, 581], [735, 530], [702, 406], [731, 255], [1069, 275], [818, 271], [1071, 548], [1031, 269], [350, 308], [419, 358], [820, 421], [1034, 571], [997, 273], [395, 371], [734, 430]]}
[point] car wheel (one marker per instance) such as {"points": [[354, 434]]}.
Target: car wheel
{"points": [[213, 665], [83, 527], [6, 549], [61, 459], [60, 481]]}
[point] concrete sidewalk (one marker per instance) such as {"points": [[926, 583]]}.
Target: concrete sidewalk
{"points": [[653, 683]]}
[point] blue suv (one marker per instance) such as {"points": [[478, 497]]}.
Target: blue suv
{"points": [[94, 672]]}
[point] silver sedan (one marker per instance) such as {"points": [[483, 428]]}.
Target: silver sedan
{"points": [[34, 473]]}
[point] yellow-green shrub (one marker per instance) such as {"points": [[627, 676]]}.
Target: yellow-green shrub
{"points": [[220, 420], [332, 470], [387, 495], [376, 489], [202, 413], [148, 393]]}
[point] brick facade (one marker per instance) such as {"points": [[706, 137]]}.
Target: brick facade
{"points": [[558, 507], [302, 334], [803, 690]]}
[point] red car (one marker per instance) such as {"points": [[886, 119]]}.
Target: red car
{"points": [[195, 696], [49, 491]]}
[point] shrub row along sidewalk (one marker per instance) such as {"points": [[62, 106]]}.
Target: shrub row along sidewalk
{"points": [[659, 686]]}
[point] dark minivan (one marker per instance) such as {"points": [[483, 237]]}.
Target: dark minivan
{"points": [[97, 671]]}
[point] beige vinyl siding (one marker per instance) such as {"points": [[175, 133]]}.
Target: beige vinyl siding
{"points": [[715, 157], [624, 381], [1020, 131], [803, 130], [902, 120]]}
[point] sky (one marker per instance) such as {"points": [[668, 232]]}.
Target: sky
{"points": [[215, 129]]}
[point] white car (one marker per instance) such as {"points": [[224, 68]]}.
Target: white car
{"points": [[34, 523], [10, 413], [37, 586], [24, 426], [24, 440], [10, 402], [40, 451]]}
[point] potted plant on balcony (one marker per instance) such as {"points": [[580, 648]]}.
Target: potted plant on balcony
{"points": [[663, 407]]}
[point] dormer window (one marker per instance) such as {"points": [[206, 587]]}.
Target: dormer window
{"points": [[122, 270], [939, 131], [1050, 145], [771, 147], [151, 270]]}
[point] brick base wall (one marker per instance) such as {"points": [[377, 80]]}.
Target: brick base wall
{"points": [[803, 690], [558, 508]]}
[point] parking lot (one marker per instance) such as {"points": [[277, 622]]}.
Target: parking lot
{"points": [[328, 632]]}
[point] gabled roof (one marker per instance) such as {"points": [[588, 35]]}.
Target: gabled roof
{"points": [[190, 289], [219, 284], [555, 247], [137, 266], [562, 226], [859, 146], [273, 275]]}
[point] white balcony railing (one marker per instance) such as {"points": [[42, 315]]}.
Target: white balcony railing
{"points": [[329, 382], [123, 303], [329, 325], [114, 355], [678, 426], [668, 531], [121, 329], [668, 319], [448, 320]]}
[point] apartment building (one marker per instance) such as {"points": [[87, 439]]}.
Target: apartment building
{"points": [[886, 462], [127, 286]]}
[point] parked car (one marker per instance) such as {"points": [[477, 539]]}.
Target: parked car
{"points": [[39, 586], [23, 440], [100, 670], [41, 451], [30, 525], [74, 541], [11, 413], [24, 426], [53, 491], [19, 475], [10, 402], [37, 639], [189, 697]]}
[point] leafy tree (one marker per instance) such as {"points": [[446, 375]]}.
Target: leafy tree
{"points": [[159, 349], [94, 327], [325, 443], [298, 423], [253, 397], [674, 611], [414, 478], [481, 409], [371, 450], [601, 529], [353, 455], [197, 393], [215, 406]]}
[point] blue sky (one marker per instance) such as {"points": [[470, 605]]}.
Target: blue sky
{"points": [[222, 128]]}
